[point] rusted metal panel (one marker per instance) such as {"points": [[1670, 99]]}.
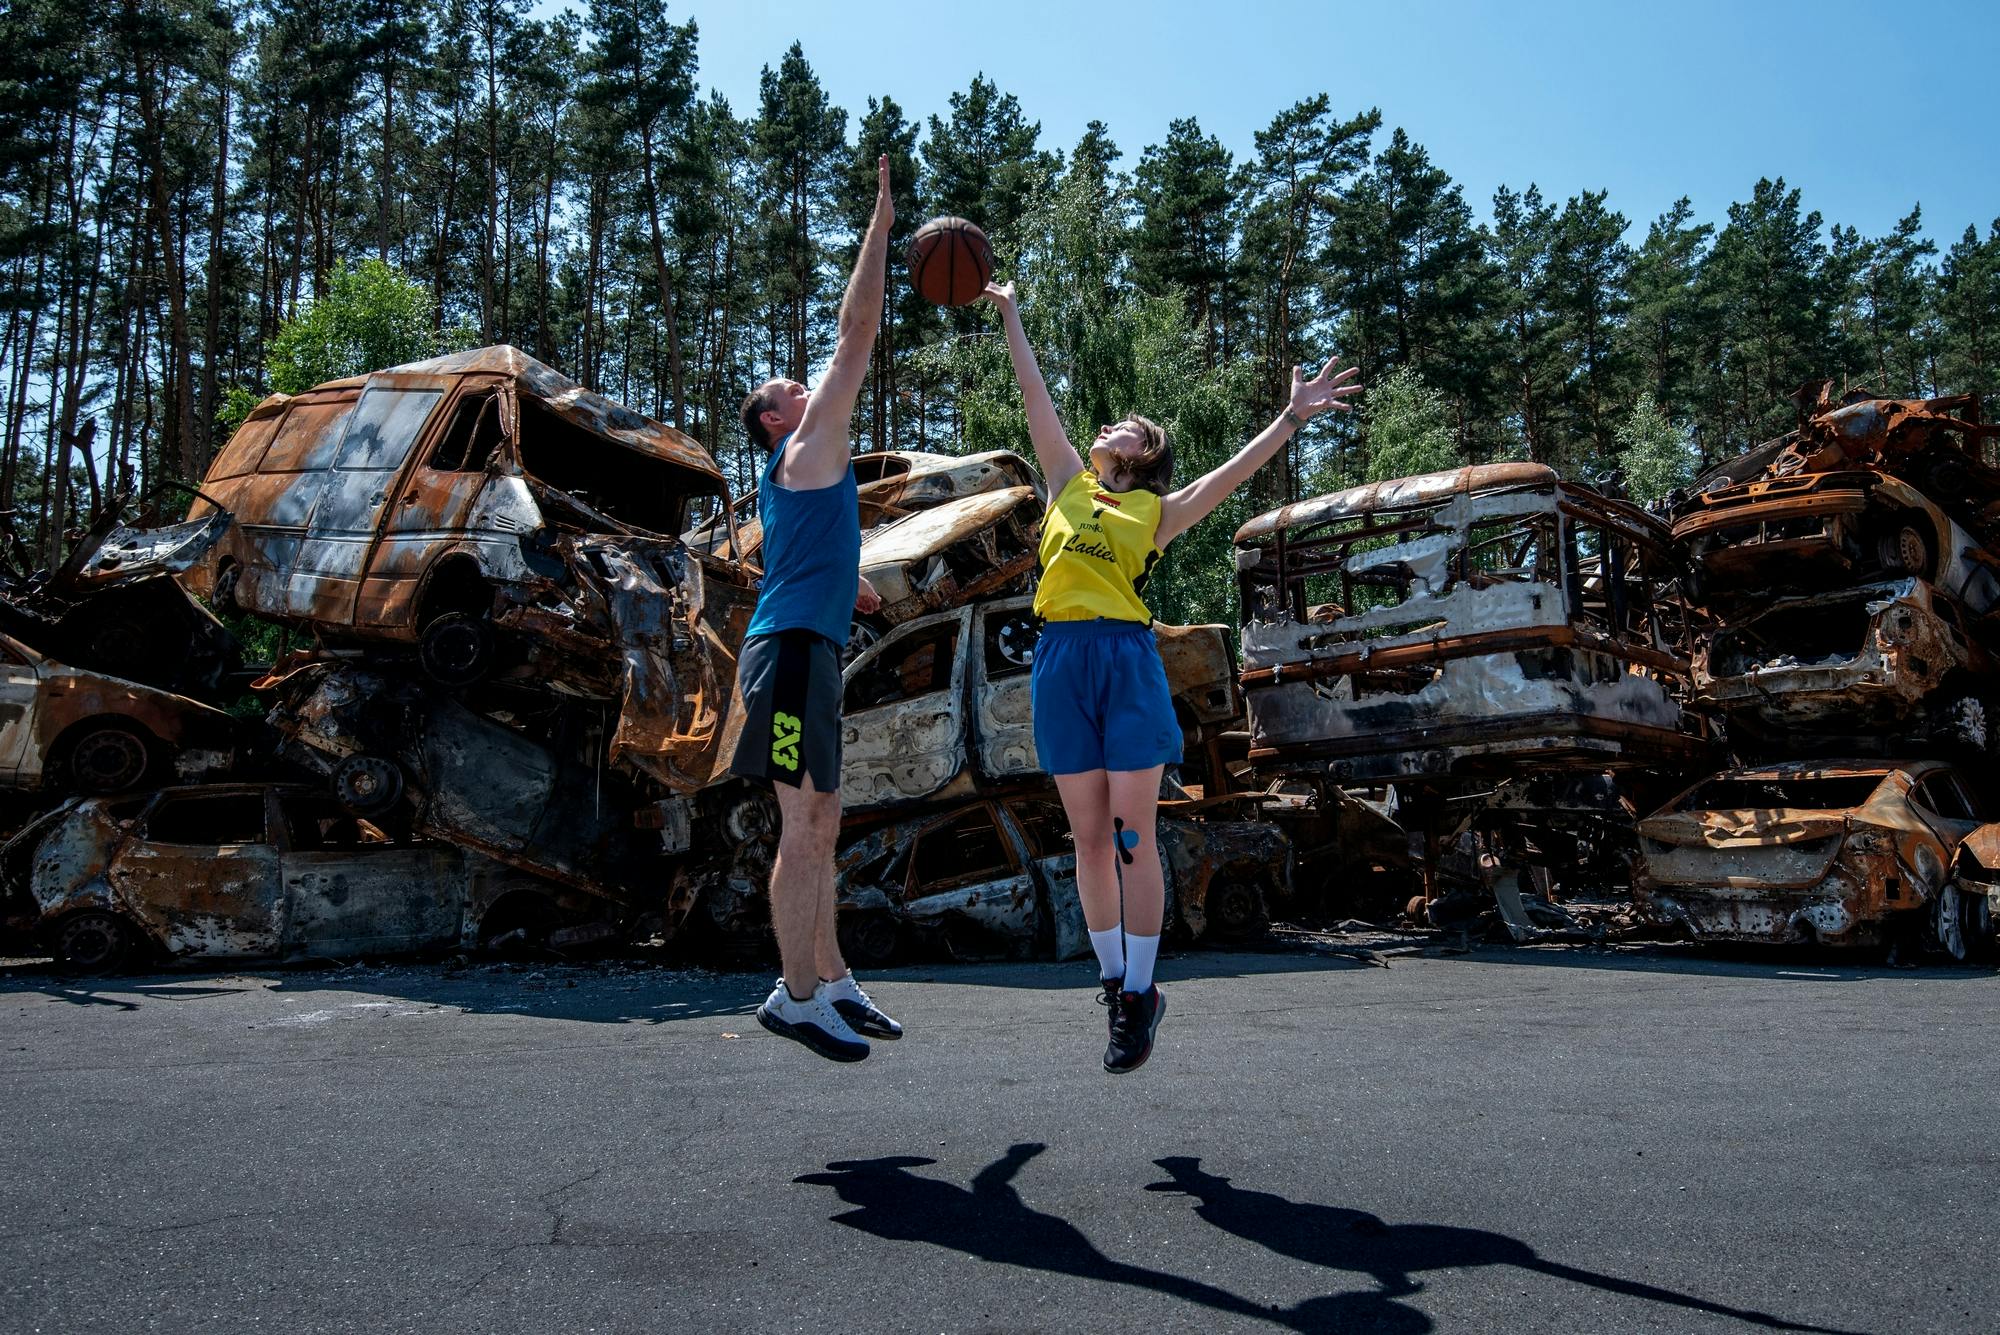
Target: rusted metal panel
{"points": [[946, 556]]}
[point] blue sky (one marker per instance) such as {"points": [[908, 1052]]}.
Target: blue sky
{"points": [[1867, 107]]}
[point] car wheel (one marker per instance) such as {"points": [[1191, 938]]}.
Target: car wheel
{"points": [[457, 649], [367, 785], [222, 596], [860, 635], [1903, 549], [1235, 904], [1961, 924], [107, 758], [869, 938], [94, 942]]}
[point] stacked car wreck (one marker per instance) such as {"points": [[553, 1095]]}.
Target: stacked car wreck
{"points": [[502, 713], [1850, 570]]}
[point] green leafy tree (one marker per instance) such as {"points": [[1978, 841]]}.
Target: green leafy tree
{"points": [[1183, 241], [1968, 304], [1657, 457], [371, 317], [1409, 427]]}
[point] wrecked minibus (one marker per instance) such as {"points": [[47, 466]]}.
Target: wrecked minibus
{"points": [[1468, 622], [497, 518]]}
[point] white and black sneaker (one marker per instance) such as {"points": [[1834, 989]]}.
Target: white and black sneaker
{"points": [[859, 1009], [813, 1022]]}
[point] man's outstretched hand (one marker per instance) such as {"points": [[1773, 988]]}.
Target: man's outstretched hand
{"points": [[885, 205]]}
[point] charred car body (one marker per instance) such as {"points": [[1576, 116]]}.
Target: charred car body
{"points": [[1463, 623], [1840, 853], [1865, 488], [265, 870], [997, 879], [939, 709], [495, 516]]}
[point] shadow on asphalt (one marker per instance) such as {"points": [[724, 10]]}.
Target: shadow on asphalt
{"points": [[990, 1221]]}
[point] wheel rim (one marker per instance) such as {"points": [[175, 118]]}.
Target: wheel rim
{"points": [[1232, 906], [1909, 549], [367, 785], [108, 760], [456, 650], [91, 941]]}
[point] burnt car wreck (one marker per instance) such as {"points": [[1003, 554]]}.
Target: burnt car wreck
{"points": [[1488, 699]]}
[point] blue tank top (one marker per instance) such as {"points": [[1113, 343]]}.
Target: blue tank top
{"points": [[812, 555]]}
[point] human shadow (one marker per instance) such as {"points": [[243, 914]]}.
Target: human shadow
{"points": [[1393, 1255], [991, 1221]]}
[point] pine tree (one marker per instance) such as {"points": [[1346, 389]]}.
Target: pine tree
{"points": [[1968, 303], [1183, 190]]}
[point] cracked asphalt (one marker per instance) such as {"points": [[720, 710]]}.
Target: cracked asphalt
{"points": [[1514, 1140]]}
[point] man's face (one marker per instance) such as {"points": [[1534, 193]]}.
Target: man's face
{"points": [[785, 407]]}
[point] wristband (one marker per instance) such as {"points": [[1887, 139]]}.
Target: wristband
{"points": [[1298, 423]]}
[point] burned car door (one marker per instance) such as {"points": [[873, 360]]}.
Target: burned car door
{"points": [[434, 500], [903, 714], [325, 578], [969, 882], [201, 873], [350, 889], [1951, 813], [1003, 724]]}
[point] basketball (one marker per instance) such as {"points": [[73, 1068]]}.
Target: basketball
{"points": [[950, 262]]}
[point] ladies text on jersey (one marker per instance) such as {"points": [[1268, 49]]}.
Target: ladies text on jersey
{"points": [[1097, 549]]}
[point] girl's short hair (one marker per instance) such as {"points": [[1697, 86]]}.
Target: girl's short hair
{"points": [[1152, 467]]}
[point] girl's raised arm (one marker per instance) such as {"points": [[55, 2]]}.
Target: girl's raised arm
{"points": [[1057, 458], [1185, 508]]}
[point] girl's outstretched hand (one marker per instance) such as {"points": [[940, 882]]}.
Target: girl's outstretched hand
{"points": [[1325, 390], [1001, 295]]}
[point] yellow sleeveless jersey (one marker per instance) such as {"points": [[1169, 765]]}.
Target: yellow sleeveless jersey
{"points": [[1097, 549]]}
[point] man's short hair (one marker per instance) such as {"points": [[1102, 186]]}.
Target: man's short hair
{"points": [[754, 408]]}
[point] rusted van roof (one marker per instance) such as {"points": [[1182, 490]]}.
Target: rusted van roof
{"points": [[569, 400], [1395, 493]]}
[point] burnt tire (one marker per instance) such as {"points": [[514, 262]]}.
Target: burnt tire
{"points": [[94, 942], [367, 785], [105, 758], [222, 594], [1902, 548], [1235, 906], [456, 649], [1960, 924], [869, 939]]}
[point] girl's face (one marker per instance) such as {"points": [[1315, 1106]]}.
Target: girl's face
{"points": [[1114, 445]]}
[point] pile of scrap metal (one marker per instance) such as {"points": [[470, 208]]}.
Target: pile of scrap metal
{"points": [[1449, 633], [518, 675], [939, 756], [1850, 570]]}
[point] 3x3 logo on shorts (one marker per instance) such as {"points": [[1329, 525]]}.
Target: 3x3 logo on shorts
{"points": [[785, 731]]}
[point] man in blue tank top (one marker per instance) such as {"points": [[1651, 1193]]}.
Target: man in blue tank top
{"points": [[789, 673]]}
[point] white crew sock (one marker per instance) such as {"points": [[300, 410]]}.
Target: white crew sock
{"points": [[1140, 952], [1110, 947]]}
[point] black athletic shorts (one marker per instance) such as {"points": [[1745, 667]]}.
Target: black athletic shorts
{"points": [[791, 709]]}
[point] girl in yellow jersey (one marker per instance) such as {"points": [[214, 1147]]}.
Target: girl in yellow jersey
{"points": [[1104, 722]]}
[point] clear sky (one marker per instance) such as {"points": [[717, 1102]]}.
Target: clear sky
{"points": [[1867, 107]]}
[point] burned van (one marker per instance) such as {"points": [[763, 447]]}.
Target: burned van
{"points": [[1462, 623], [495, 517]]}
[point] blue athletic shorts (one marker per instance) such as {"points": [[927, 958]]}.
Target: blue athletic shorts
{"points": [[1100, 698]]}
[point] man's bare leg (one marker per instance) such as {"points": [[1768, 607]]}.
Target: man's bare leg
{"points": [[826, 941], [802, 880]]}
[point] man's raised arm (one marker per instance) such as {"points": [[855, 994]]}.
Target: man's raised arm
{"points": [[820, 454]]}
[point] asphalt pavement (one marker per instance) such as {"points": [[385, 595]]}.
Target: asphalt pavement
{"points": [[1514, 1140]]}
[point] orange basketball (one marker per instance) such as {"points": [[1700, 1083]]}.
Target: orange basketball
{"points": [[950, 262]]}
